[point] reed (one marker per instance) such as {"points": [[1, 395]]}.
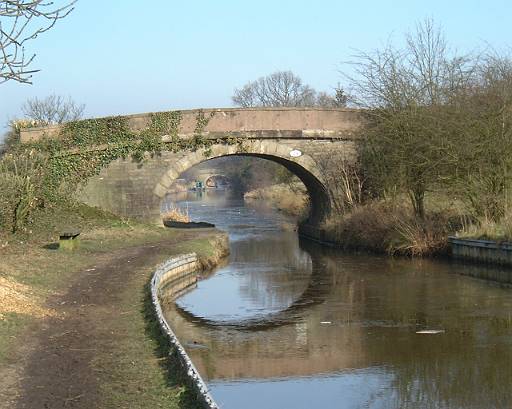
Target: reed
{"points": [[176, 214], [393, 228]]}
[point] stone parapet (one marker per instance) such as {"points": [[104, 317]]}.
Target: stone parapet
{"points": [[296, 122]]}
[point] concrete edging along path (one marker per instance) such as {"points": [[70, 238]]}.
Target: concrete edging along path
{"points": [[174, 269]]}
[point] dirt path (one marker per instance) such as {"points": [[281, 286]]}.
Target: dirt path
{"points": [[59, 371]]}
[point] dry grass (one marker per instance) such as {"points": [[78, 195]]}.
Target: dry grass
{"points": [[176, 214], [488, 229], [422, 238], [292, 199], [20, 299], [366, 227], [29, 272], [390, 227]]}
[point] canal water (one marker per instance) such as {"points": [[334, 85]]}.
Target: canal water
{"points": [[289, 324]]}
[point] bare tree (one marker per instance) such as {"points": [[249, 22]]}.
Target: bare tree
{"points": [[280, 89], [410, 94], [338, 100], [424, 73], [21, 21], [484, 155], [53, 109]]}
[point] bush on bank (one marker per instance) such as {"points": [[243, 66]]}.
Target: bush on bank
{"points": [[392, 228], [20, 181], [436, 121]]}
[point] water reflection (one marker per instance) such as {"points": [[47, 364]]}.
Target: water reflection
{"points": [[353, 341]]}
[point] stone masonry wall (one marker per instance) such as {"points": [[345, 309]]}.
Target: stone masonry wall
{"points": [[128, 189], [310, 122]]}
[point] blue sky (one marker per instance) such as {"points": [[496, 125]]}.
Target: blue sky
{"points": [[128, 56]]}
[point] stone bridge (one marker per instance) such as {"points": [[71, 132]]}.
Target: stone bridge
{"points": [[208, 176], [301, 139]]}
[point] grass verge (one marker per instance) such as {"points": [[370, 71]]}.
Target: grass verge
{"points": [[129, 358], [142, 374], [486, 229]]}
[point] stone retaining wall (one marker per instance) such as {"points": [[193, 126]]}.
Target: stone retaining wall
{"points": [[174, 271], [485, 251]]}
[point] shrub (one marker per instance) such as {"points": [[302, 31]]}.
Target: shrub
{"points": [[365, 227], [388, 227], [423, 237], [22, 186], [175, 214]]}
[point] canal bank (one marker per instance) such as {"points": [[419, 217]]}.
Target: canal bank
{"points": [[171, 279], [379, 226], [96, 343]]}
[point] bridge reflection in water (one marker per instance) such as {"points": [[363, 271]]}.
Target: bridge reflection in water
{"points": [[289, 324]]}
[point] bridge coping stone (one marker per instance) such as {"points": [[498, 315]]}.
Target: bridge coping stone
{"points": [[310, 121]]}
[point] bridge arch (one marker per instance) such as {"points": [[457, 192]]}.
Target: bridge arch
{"points": [[299, 163], [209, 179]]}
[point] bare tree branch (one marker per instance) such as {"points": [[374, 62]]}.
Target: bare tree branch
{"points": [[20, 22]]}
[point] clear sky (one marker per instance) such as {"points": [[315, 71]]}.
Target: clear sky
{"points": [[129, 56]]}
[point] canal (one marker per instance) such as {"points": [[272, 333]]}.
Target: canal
{"points": [[286, 323]]}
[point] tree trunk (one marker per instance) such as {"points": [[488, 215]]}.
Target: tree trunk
{"points": [[417, 197]]}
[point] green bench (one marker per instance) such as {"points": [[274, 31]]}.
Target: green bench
{"points": [[68, 239]]}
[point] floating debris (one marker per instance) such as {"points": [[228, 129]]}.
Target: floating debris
{"points": [[241, 226], [431, 331], [195, 345]]}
